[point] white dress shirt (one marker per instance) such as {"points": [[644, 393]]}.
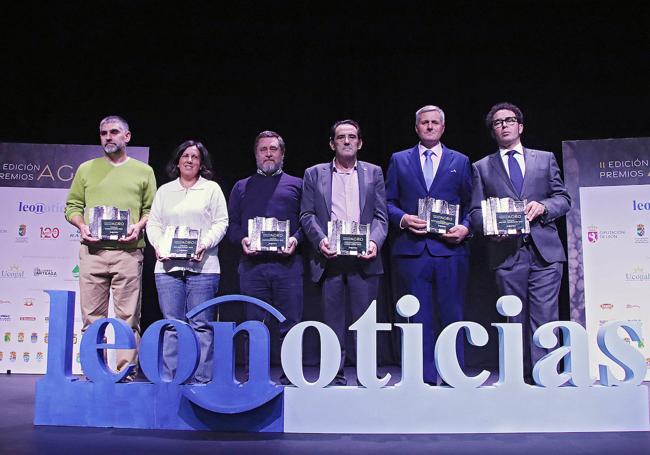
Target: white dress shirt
{"points": [[345, 194], [519, 156], [435, 158]]}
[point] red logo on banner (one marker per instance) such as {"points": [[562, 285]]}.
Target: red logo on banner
{"points": [[50, 232]]}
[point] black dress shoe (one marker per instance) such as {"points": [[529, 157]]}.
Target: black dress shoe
{"points": [[340, 380]]}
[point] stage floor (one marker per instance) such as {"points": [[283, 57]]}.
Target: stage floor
{"points": [[19, 436]]}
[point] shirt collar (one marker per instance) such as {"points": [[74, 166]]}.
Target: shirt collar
{"points": [[121, 163], [517, 148], [278, 172], [197, 186], [354, 168], [436, 149]]}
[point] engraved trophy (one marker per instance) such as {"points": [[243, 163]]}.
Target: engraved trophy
{"points": [[349, 237], [179, 242], [107, 222], [504, 216], [439, 214], [268, 234]]}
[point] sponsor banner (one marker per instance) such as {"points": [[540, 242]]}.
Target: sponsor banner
{"points": [[609, 259], [608, 162], [41, 249], [48, 165]]}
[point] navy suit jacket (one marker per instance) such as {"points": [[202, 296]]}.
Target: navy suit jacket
{"points": [[405, 185], [542, 183], [316, 208]]}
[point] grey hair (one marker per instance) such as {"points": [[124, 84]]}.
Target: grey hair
{"points": [[115, 119], [429, 108], [268, 133]]}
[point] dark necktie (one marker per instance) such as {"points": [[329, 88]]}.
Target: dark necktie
{"points": [[515, 172]]}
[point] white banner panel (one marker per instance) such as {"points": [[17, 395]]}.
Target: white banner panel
{"points": [[609, 236], [616, 260], [38, 248]]}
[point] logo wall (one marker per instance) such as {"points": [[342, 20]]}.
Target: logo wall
{"points": [[607, 228], [40, 249]]}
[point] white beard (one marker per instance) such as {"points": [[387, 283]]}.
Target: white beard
{"points": [[111, 148], [271, 168]]}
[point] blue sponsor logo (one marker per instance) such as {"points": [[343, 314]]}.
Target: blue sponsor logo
{"points": [[640, 205], [39, 208]]}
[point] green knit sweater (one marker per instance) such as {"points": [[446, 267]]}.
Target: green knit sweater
{"points": [[130, 185]]}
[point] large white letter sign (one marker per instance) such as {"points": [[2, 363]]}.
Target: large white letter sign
{"points": [[366, 328], [464, 405], [291, 354], [412, 375], [625, 356], [575, 351], [447, 359], [511, 352]]}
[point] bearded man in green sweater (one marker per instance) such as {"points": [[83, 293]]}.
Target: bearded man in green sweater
{"points": [[119, 181]]}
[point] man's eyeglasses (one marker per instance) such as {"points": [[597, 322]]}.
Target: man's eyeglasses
{"points": [[507, 121]]}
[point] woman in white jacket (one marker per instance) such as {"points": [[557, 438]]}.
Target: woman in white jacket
{"points": [[194, 201]]}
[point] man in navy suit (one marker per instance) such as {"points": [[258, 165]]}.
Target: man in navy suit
{"points": [[349, 190], [530, 266], [432, 267]]}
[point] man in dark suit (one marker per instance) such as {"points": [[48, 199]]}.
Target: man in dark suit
{"points": [[432, 267], [529, 266], [349, 190]]}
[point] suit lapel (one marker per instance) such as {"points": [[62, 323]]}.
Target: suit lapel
{"points": [[416, 168], [363, 178], [496, 163], [326, 185], [530, 158]]}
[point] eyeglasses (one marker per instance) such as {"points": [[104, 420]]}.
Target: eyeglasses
{"points": [[507, 121]]}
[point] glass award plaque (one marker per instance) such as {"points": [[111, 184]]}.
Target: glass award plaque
{"points": [[179, 242], [268, 234], [107, 222], [349, 237], [504, 216], [440, 215]]}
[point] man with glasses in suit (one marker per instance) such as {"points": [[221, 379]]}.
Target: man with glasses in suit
{"points": [[528, 266]]}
